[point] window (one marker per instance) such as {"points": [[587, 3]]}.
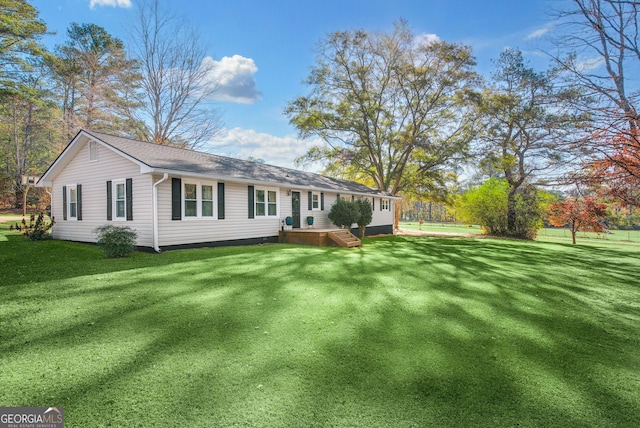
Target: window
{"points": [[194, 200], [73, 202], [266, 203], [384, 204], [198, 200], [207, 201], [93, 151], [120, 200], [190, 200], [316, 201]]}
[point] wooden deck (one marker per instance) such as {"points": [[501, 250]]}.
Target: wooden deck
{"points": [[320, 237]]}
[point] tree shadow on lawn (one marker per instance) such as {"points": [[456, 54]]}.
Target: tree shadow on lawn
{"points": [[404, 332]]}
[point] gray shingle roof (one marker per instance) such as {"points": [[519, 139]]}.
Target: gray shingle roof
{"points": [[189, 161]]}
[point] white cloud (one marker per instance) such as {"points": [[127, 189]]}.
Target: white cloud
{"points": [[536, 34], [113, 3], [589, 64], [280, 151], [427, 39], [234, 78]]}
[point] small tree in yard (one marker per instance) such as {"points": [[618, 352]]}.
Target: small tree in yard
{"points": [[344, 213], [365, 214], [580, 214], [116, 241]]}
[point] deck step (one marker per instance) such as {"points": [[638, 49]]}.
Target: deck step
{"points": [[344, 238]]}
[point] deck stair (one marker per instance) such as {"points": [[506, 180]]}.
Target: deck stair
{"points": [[344, 238]]}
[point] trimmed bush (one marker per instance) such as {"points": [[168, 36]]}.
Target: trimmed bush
{"points": [[343, 214], [116, 241]]}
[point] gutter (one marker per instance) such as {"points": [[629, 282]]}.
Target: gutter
{"points": [[156, 245]]}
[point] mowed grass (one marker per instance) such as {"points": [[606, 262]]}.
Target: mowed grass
{"points": [[405, 332], [544, 234]]}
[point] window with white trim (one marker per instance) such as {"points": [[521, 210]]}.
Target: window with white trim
{"points": [[207, 200], [266, 201], [198, 200], [315, 201], [120, 200], [384, 204], [72, 200]]}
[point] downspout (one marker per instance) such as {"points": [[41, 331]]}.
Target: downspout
{"points": [[156, 245], [50, 207]]}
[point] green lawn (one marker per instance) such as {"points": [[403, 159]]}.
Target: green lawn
{"points": [[405, 332], [543, 234]]}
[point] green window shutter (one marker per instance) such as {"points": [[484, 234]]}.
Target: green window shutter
{"points": [[252, 206], [221, 201], [129, 198], [64, 202], [322, 201], [373, 204], [176, 199], [310, 201], [109, 202], [337, 196], [79, 201]]}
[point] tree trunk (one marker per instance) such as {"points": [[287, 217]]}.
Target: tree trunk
{"points": [[511, 213]]}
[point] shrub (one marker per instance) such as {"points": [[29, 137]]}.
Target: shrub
{"points": [[38, 228], [116, 241], [488, 206], [344, 213], [365, 214]]}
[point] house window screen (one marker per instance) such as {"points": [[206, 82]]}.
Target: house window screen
{"points": [[190, 200]]}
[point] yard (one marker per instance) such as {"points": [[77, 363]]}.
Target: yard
{"points": [[405, 332]]}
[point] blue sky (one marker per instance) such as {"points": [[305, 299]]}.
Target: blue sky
{"points": [[264, 48]]}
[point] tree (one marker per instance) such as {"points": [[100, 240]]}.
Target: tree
{"points": [[365, 215], [390, 108], [617, 171], [600, 50], [580, 214], [27, 117], [527, 118], [25, 107], [20, 29], [177, 81], [344, 213], [96, 81]]}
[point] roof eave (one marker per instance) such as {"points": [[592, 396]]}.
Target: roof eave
{"points": [[208, 176]]}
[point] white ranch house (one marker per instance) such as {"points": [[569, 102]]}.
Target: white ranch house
{"points": [[176, 197]]}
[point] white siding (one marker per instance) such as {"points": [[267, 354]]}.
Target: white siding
{"points": [[236, 225], [93, 177], [321, 217]]}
